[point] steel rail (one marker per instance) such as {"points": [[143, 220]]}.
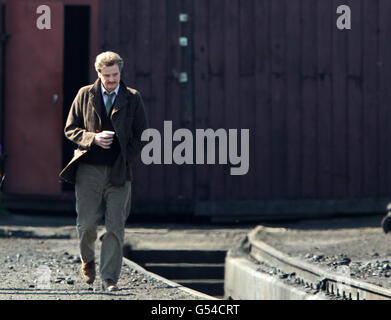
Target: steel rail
{"points": [[336, 285]]}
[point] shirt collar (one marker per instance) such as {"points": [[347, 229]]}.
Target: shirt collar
{"points": [[104, 90]]}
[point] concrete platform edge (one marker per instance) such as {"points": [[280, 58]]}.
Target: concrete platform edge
{"points": [[244, 282]]}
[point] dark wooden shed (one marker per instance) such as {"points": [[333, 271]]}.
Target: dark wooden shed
{"points": [[315, 99]]}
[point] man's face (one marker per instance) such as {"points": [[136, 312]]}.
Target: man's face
{"points": [[110, 77]]}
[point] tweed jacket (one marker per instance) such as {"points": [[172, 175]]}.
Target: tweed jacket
{"points": [[129, 120]]}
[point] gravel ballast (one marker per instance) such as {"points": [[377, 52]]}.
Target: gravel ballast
{"points": [[39, 259], [357, 248], [35, 269]]}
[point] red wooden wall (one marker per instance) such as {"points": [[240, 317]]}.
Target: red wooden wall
{"points": [[33, 125], [315, 98]]}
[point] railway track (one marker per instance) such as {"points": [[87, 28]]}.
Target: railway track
{"points": [[335, 285]]}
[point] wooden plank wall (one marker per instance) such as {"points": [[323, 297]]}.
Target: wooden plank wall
{"points": [[145, 33], [316, 99]]}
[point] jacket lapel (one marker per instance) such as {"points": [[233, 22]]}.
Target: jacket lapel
{"points": [[96, 98], [121, 99]]}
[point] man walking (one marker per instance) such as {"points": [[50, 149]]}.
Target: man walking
{"points": [[106, 121]]}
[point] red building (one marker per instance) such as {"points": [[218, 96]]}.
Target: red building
{"points": [[39, 78]]}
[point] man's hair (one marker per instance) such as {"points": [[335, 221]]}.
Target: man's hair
{"points": [[108, 59]]}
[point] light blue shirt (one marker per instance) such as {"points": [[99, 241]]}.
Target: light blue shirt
{"points": [[105, 97]]}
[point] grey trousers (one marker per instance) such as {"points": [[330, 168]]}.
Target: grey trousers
{"points": [[97, 197]]}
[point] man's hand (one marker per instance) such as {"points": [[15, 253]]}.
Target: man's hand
{"points": [[103, 140]]}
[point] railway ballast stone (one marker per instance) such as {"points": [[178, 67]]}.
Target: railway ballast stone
{"points": [[25, 262], [356, 243]]}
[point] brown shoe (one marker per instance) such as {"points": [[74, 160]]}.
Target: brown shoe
{"points": [[88, 271], [109, 285]]}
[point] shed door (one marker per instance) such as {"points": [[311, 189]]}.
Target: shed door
{"points": [[33, 99]]}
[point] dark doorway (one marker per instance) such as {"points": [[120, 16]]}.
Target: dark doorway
{"points": [[76, 65]]}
